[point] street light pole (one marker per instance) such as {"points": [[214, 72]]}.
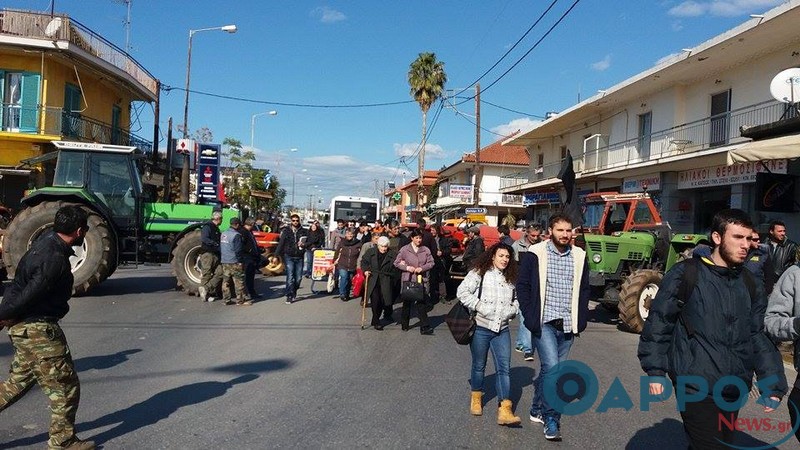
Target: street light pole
{"points": [[253, 124], [185, 171]]}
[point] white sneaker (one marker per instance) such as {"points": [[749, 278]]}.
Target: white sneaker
{"points": [[210, 299]]}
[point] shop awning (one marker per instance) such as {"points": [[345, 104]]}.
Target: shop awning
{"points": [[784, 147]]}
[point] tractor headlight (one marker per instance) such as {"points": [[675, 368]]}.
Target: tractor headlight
{"points": [[596, 258]]}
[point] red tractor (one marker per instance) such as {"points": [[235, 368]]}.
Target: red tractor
{"points": [[267, 243]]}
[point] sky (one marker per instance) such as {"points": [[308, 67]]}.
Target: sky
{"points": [[322, 64]]}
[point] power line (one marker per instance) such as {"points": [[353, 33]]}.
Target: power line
{"points": [[512, 110], [168, 88]]}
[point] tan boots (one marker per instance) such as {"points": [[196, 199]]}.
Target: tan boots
{"points": [[505, 416], [475, 406]]}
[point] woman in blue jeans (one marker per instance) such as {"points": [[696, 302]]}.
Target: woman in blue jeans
{"points": [[346, 260], [488, 291]]}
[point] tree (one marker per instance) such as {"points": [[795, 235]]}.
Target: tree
{"points": [[426, 77], [241, 167]]}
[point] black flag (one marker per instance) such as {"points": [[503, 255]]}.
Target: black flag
{"points": [[572, 206]]}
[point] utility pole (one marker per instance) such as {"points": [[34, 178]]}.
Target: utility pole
{"points": [[476, 190]]}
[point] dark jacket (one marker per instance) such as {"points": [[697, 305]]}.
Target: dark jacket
{"points": [[252, 254], [530, 289], [398, 242], [316, 239], [289, 242], [209, 237], [428, 241], [43, 281], [758, 262], [728, 326], [384, 274], [783, 255], [474, 249], [347, 254]]}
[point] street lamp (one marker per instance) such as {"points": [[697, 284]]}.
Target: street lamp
{"points": [[294, 172], [253, 124], [185, 172]]}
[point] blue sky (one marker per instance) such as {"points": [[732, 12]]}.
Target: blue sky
{"points": [[356, 52]]}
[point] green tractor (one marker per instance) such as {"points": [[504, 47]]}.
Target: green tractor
{"points": [[124, 226], [629, 248]]}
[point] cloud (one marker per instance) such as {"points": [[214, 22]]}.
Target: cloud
{"points": [[603, 64], [327, 15], [721, 8], [676, 25], [432, 151], [524, 124]]}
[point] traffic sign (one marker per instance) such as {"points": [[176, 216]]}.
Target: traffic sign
{"points": [[475, 210]]}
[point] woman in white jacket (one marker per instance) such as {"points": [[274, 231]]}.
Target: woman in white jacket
{"points": [[488, 290]]}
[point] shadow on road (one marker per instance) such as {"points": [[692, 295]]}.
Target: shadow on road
{"points": [[164, 404], [667, 434], [104, 361], [115, 287], [521, 377]]}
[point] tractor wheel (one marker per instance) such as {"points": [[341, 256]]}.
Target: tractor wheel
{"points": [[93, 260], [276, 268], [638, 291], [185, 256]]}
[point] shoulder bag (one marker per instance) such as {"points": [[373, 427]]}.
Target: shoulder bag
{"points": [[461, 321]]}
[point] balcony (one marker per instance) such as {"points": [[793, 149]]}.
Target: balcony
{"points": [[67, 125], [33, 25], [682, 140]]}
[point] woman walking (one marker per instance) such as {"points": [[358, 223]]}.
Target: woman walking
{"points": [[345, 258], [488, 290], [382, 276], [415, 259], [316, 239]]}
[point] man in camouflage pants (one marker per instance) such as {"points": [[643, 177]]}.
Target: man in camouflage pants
{"points": [[31, 309], [233, 258], [209, 258]]}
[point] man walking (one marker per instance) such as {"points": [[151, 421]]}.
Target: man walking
{"points": [[782, 250], [233, 260], [474, 247], [211, 272], [532, 236], [553, 293], [31, 309], [252, 256], [291, 247], [711, 331]]}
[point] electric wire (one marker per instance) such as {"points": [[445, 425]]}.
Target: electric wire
{"points": [[512, 110]]}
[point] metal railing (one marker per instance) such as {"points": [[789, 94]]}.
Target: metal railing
{"points": [[71, 126], [683, 139], [35, 25]]}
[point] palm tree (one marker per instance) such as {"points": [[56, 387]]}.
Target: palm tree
{"points": [[427, 78]]}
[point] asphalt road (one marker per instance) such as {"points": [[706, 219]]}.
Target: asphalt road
{"points": [[160, 369]]}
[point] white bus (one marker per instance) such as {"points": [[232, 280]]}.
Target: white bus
{"points": [[353, 208]]}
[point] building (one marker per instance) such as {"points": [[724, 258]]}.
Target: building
{"points": [[61, 81], [401, 201], [457, 184], [670, 129]]}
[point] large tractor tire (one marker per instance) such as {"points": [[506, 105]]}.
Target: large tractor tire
{"points": [[274, 267], [94, 260], [185, 265], [636, 296]]}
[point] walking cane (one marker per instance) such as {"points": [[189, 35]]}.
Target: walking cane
{"points": [[364, 302]]}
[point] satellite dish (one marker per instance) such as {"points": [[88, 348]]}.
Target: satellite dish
{"points": [[785, 87], [53, 27]]}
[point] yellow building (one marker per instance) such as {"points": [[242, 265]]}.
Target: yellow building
{"points": [[61, 81]]}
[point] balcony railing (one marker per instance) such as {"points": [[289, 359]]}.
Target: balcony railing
{"points": [[68, 125], [684, 139], [35, 25]]}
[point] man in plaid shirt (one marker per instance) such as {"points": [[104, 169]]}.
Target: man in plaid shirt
{"points": [[553, 294]]}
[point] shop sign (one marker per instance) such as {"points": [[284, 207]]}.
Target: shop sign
{"points": [[463, 191], [727, 175], [650, 182], [541, 198]]}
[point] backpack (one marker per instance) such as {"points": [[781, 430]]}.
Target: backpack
{"points": [[690, 281]]}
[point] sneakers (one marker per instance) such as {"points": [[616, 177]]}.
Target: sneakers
{"points": [[528, 356], [210, 299], [201, 291], [289, 300], [537, 418], [519, 349], [247, 302], [551, 429]]}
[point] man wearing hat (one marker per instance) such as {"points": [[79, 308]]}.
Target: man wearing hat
{"points": [[233, 259], [475, 246]]}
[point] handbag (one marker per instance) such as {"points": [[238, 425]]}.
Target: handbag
{"points": [[413, 291], [461, 321]]}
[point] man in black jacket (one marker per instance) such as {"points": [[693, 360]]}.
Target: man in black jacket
{"points": [[292, 248], [716, 331], [211, 277], [252, 256], [782, 250], [31, 308]]}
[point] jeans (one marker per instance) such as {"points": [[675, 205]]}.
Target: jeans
{"points": [[345, 281], [294, 274], [309, 261], [553, 346], [524, 336], [500, 344]]}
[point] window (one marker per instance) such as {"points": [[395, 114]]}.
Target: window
{"points": [[70, 169], [116, 114], [645, 131], [720, 115], [563, 152], [70, 126], [642, 214], [110, 181], [20, 101]]}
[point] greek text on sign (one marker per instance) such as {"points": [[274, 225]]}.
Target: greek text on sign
{"points": [[725, 175], [637, 184], [475, 210], [461, 191]]}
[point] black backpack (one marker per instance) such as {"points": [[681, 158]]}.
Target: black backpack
{"points": [[692, 268]]}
